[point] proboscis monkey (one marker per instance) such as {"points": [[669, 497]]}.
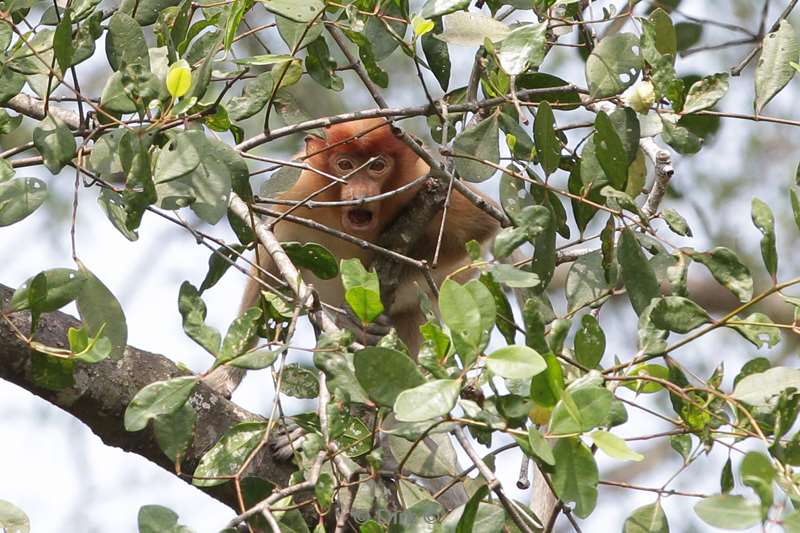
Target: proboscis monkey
{"points": [[372, 161]]}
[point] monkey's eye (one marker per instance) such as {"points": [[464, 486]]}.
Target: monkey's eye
{"points": [[345, 165], [379, 165]]}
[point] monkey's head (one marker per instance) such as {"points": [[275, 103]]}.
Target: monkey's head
{"points": [[372, 161]]}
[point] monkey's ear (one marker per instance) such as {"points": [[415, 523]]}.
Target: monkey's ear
{"points": [[314, 144]]}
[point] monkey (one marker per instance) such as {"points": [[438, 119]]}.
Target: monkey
{"points": [[357, 160], [368, 159]]}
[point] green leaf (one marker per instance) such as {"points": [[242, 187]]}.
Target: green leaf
{"points": [[365, 303], [576, 476], [241, 335], [321, 65], [472, 29], [637, 273], [62, 41], [513, 277], [184, 178], [297, 35], [296, 10], [193, 313], [125, 43], [55, 142], [590, 342], [565, 100], [580, 410], [665, 41], [323, 490], [728, 270], [156, 399], [795, 200], [647, 519], [676, 222], [758, 473], [647, 387], [523, 48], [678, 314], [219, 262], [426, 401], [437, 55], [610, 151], [13, 519], [174, 432], [60, 287], [481, 142], [759, 330], [516, 362], [313, 257], [539, 446], [113, 206], [586, 282], [368, 59], [548, 145], [469, 312], [88, 350], [680, 138], [100, 311], [614, 446], [765, 222], [255, 359], [437, 8], [773, 70], [763, 388], [226, 457], [19, 198], [466, 524], [727, 511], [385, 373], [146, 12], [791, 522], [613, 65], [158, 519], [254, 97], [299, 382], [706, 93], [726, 477]]}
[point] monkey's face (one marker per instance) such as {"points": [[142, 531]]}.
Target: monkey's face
{"points": [[366, 175]]}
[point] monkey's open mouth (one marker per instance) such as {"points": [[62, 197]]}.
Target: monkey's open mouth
{"points": [[359, 217]]}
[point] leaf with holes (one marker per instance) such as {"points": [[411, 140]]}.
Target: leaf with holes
{"points": [[55, 142], [613, 65], [774, 69], [19, 197]]}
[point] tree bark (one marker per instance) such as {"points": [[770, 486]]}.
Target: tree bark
{"points": [[102, 391]]}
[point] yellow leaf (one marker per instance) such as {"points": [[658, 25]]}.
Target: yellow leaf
{"points": [[179, 79]]}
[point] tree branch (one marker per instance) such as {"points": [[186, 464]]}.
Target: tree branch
{"points": [[101, 393]]}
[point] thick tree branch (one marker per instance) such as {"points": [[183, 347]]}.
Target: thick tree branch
{"points": [[102, 391]]}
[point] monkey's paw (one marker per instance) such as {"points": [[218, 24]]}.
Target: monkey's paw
{"points": [[369, 335], [288, 439]]}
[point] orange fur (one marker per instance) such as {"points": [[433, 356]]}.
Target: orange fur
{"points": [[349, 141]]}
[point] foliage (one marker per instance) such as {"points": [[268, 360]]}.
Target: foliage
{"points": [[170, 134]]}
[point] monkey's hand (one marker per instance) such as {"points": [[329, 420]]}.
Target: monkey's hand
{"points": [[369, 335], [288, 439]]}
